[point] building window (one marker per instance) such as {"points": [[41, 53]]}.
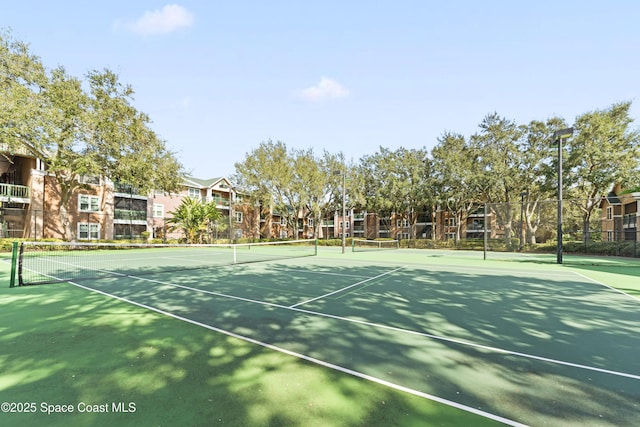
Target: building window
{"points": [[610, 212], [158, 210], [310, 222], [346, 225], [283, 221], [610, 236], [402, 222], [194, 193], [477, 224], [88, 203], [238, 216], [88, 231]]}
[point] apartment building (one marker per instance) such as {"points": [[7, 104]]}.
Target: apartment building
{"points": [[21, 195], [240, 218], [31, 208], [446, 224], [620, 218], [103, 210]]}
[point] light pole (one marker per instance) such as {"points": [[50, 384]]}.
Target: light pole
{"points": [[557, 139], [344, 209]]}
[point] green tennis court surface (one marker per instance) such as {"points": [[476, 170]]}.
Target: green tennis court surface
{"points": [[444, 337]]}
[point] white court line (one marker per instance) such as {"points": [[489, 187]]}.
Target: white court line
{"points": [[345, 288], [315, 360], [402, 330], [450, 268], [607, 286], [327, 273]]}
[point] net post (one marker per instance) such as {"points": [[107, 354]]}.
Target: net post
{"points": [[235, 253], [397, 244], [14, 263], [315, 243]]}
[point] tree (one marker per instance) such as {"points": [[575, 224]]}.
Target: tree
{"points": [[76, 132], [194, 218], [456, 177], [267, 175], [498, 152], [312, 178], [397, 182], [604, 151], [22, 78], [537, 175], [293, 183]]}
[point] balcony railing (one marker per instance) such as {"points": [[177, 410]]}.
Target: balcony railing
{"points": [[10, 191], [630, 221], [218, 201], [125, 188]]}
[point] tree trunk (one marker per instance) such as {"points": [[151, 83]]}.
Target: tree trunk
{"points": [[65, 197]]}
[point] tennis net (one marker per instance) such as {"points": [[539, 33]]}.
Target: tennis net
{"points": [[359, 245], [50, 262]]}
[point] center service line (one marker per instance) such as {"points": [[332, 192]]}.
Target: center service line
{"points": [[348, 287]]}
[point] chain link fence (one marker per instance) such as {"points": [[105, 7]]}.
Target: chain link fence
{"points": [[590, 227]]}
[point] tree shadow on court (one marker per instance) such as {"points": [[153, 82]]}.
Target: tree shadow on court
{"points": [[412, 327], [561, 318], [63, 348]]}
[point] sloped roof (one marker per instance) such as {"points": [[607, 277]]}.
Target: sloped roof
{"points": [[631, 190], [202, 183]]}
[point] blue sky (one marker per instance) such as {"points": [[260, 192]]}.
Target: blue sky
{"points": [[218, 78]]}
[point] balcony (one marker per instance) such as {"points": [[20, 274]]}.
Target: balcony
{"points": [[125, 188], [476, 213], [219, 201], [630, 221], [14, 193], [124, 216]]}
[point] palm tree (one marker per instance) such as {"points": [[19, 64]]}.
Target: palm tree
{"points": [[194, 217]]}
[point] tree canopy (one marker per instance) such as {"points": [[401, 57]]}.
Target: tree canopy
{"points": [[79, 127], [503, 162]]}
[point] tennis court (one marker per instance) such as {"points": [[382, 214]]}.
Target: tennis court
{"points": [[520, 343]]}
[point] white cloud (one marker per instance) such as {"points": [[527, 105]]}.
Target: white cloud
{"points": [[170, 18], [325, 89]]}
